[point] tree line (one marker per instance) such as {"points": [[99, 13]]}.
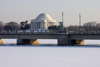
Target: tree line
{"points": [[86, 26], [13, 26], [24, 25]]}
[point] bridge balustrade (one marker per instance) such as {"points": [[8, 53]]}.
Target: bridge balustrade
{"points": [[98, 32], [33, 32], [29, 32], [83, 32], [72, 32], [41, 31], [50, 32], [45, 32], [55, 31]]}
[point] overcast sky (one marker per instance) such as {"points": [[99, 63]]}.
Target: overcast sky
{"points": [[22, 10]]}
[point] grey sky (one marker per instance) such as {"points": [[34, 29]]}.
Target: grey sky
{"points": [[21, 10]]}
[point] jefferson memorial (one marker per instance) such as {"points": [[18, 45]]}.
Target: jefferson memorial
{"points": [[42, 21]]}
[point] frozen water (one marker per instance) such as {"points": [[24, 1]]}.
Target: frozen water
{"points": [[49, 56]]}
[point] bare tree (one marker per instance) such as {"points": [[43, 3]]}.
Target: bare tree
{"points": [[12, 26], [1, 25], [72, 27], [90, 25], [93, 23]]}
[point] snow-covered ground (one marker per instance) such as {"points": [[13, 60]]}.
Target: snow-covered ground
{"points": [[51, 56]]}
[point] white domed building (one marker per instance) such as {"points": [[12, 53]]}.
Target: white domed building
{"points": [[42, 21]]}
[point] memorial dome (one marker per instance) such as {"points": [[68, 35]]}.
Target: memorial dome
{"points": [[42, 21], [43, 16]]}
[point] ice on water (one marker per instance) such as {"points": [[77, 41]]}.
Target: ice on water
{"points": [[49, 56]]}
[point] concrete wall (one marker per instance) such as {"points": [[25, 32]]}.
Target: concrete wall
{"points": [[1, 41]]}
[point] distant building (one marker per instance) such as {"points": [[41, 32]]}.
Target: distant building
{"points": [[42, 21]]}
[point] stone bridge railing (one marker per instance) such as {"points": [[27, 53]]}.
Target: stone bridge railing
{"points": [[84, 32], [51, 32], [29, 32]]}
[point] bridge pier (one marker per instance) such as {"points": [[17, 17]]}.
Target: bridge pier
{"points": [[1, 41], [63, 40], [34, 41], [19, 41], [27, 41], [77, 42]]}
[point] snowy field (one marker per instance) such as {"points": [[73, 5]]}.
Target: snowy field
{"points": [[49, 56]]}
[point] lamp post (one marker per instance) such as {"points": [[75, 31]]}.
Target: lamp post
{"points": [[79, 21], [62, 19]]}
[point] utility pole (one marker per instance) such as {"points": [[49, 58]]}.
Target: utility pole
{"points": [[62, 19], [79, 21]]}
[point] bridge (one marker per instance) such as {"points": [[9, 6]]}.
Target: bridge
{"points": [[64, 37]]}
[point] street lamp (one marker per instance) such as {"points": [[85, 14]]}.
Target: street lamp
{"points": [[62, 19], [79, 21]]}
